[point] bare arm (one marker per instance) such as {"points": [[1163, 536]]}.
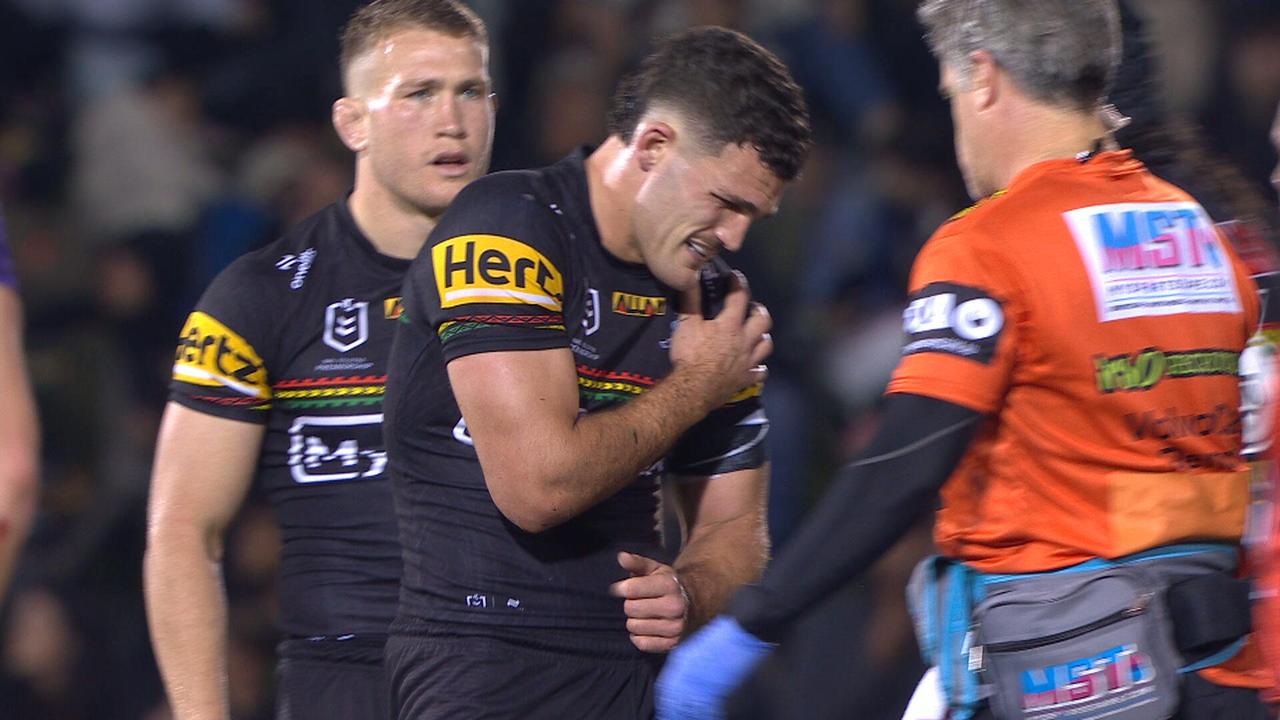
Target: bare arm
{"points": [[726, 538], [203, 468], [726, 545], [19, 439], [544, 464]]}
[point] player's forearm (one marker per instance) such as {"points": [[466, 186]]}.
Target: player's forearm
{"points": [[719, 560], [187, 615], [604, 452], [18, 492]]}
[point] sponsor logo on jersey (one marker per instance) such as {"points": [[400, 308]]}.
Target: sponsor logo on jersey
{"points": [[213, 355], [336, 448], [346, 324], [300, 263], [591, 314], [495, 269], [393, 308], [1144, 369], [1173, 424], [461, 434], [953, 319], [1147, 259], [638, 305]]}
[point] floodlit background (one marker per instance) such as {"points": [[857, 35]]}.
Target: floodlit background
{"points": [[146, 143]]}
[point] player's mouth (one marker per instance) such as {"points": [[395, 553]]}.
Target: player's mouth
{"points": [[454, 163], [701, 250]]}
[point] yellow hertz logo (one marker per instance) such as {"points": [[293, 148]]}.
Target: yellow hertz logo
{"points": [[495, 269], [211, 354], [638, 305], [392, 308]]}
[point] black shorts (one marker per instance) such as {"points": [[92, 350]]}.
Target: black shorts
{"points": [[483, 678], [331, 680]]}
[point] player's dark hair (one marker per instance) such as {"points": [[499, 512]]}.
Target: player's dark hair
{"points": [[372, 23], [732, 89]]}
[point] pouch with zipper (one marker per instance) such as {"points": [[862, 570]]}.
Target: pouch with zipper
{"points": [[1080, 646]]}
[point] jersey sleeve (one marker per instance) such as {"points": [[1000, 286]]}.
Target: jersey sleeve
{"points": [[219, 366], [491, 276], [731, 438], [959, 326]]}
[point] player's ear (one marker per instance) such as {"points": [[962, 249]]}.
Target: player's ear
{"points": [[652, 139], [984, 78], [349, 121]]}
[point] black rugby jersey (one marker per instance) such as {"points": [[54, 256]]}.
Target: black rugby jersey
{"points": [[516, 264], [296, 336]]}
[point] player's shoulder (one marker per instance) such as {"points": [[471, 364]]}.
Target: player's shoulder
{"points": [[286, 265], [499, 194], [506, 212], [969, 228]]}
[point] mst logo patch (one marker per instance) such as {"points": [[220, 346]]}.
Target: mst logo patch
{"points": [[213, 355], [1146, 259], [954, 319], [638, 305], [495, 269]]}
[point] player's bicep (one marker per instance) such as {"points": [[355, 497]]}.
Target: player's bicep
{"points": [[203, 467], [518, 407], [707, 502]]}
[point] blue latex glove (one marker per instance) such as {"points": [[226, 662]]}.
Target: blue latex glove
{"points": [[702, 670]]}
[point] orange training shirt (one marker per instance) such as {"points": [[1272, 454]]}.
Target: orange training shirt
{"points": [[1095, 316]]}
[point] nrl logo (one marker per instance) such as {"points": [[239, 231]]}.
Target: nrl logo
{"points": [[346, 324], [591, 316]]}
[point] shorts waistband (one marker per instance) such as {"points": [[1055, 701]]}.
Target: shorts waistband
{"points": [[600, 645], [364, 649]]}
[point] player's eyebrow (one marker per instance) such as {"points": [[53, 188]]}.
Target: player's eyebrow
{"points": [[741, 204]]}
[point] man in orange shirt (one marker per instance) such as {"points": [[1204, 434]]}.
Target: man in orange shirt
{"points": [[1068, 387]]}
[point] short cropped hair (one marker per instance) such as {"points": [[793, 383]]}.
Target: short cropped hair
{"points": [[1064, 52], [735, 92], [373, 23]]}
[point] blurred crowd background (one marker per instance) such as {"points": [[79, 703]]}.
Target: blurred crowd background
{"points": [[146, 143]]}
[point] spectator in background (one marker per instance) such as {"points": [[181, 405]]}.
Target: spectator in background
{"points": [[279, 377], [19, 435]]}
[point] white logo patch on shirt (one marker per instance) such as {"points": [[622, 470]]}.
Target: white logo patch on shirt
{"points": [[953, 319], [1147, 259], [346, 324]]}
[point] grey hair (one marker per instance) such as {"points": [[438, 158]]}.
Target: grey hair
{"points": [[1063, 52]]}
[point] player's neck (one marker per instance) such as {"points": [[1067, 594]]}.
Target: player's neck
{"points": [[1051, 134], [393, 227], [611, 188]]}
